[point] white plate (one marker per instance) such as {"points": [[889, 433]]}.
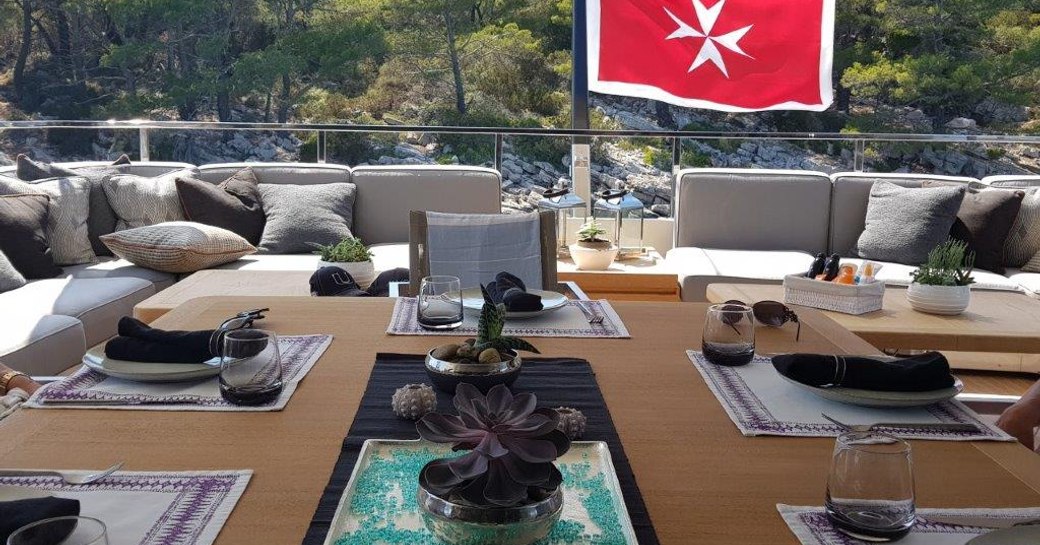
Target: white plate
{"points": [[473, 299], [148, 372], [870, 398], [1019, 535]]}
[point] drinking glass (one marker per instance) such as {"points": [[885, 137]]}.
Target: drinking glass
{"points": [[729, 335], [61, 531], [870, 491], [250, 367], [440, 302]]}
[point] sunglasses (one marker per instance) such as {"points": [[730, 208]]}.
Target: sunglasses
{"points": [[770, 313], [242, 320]]}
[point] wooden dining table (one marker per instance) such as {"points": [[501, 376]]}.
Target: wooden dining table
{"points": [[702, 481]]}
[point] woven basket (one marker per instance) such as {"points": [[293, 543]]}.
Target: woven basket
{"points": [[844, 298]]}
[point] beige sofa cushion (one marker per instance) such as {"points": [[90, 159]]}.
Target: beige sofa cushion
{"points": [[386, 196], [121, 268], [97, 302], [750, 209], [384, 257], [41, 345], [1029, 281], [898, 275], [146, 168], [698, 267], [849, 203]]}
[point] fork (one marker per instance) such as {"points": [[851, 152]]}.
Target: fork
{"points": [[592, 317], [924, 426], [68, 477]]}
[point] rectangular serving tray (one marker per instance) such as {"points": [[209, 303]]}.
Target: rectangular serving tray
{"points": [[379, 506]]}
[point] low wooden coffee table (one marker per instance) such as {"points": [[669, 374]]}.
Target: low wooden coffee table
{"points": [[233, 283], [1004, 325]]}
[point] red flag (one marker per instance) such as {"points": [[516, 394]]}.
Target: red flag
{"points": [[730, 55]]}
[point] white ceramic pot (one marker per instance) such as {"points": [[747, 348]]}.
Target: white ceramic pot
{"points": [[363, 272], [593, 259], [947, 300]]}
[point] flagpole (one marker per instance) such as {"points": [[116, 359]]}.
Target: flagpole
{"points": [[581, 178]]}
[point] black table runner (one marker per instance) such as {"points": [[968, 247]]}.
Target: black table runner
{"points": [[556, 382]]}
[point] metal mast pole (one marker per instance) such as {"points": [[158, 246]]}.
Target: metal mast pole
{"points": [[580, 148]]}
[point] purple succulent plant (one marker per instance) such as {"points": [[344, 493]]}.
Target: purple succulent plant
{"points": [[512, 445]]}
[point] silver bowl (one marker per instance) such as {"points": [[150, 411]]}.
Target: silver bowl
{"points": [[459, 524], [446, 375]]}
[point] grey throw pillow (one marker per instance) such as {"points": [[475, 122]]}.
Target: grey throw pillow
{"points": [[10, 278], [102, 218], [67, 217], [904, 224], [140, 201], [300, 216]]}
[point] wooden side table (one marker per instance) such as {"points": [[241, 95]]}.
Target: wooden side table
{"points": [[643, 279]]}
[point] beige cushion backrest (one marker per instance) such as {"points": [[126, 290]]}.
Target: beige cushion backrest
{"points": [[849, 202], [279, 173], [149, 169], [1012, 181], [751, 209], [386, 195]]}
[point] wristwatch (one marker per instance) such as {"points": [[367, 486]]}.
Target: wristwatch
{"points": [[7, 377]]}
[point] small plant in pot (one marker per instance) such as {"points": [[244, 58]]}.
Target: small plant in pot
{"points": [[505, 489], [942, 285], [351, 255], [592, 252], [485, 361]]}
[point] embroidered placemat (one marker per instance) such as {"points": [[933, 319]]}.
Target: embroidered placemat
{"points": [[811, 527], [568, 321], [89, 389], [760, 402], [152, 507], [556, 382]]}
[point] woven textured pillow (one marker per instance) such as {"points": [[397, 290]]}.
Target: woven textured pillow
{"points": [[10, 278], [300, 216], [178, 246], [1023, 243], [102, 218], [904, 224], [67, 218], [139, 201]]}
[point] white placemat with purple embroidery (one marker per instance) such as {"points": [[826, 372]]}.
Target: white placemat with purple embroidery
{"points": [[152, 507], [761, 403], [568, 321], [811, 527], [89, 389]]}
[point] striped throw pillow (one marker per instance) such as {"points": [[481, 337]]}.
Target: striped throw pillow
{"points": [[178, 246]]}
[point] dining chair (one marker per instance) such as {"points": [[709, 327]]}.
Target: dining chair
{"points": [[476, 247]]}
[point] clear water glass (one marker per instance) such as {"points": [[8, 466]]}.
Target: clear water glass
{"points": [[250, 367], [440, 302], [870, 491], [729, 335], [61, 531]]}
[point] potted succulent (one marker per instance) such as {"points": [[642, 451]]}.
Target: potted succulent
{"points": [[351, 255], [486, 361], [942, 285], [505, 489], [592, 252]]}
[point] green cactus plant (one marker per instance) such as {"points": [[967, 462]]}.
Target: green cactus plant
{"points": [[489, 329]]}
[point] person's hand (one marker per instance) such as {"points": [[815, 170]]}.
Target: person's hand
{"points": [[1020, 422]]}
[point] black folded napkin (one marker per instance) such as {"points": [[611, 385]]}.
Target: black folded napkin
{"points": [[18, 513], [336, 282], [511, 291], [921, 373], [137, 341]]}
